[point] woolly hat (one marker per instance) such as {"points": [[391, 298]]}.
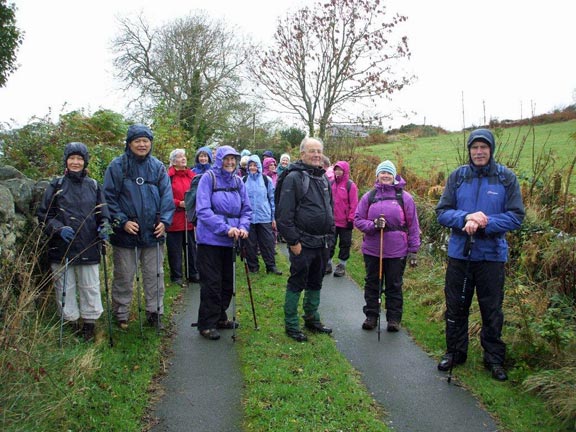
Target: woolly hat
{"points": [[245, 152], [386, 166], [244, 160], [285, 155], [268, 153], [138, 131]]}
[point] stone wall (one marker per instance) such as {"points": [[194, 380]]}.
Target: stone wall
{"points": [[19, 198]]}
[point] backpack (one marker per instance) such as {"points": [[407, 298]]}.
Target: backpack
{"points": [[372, 199], [305, 182], [265, 177], [465, 173], [190, 195]]}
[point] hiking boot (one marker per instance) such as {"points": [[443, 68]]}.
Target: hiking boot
{"points": [[177, 281], [328, 269], [297, 335], [155, 321], [317, 327], [89, 332], [210, 334], [393, 326], [498, 371], [274, 270], [123, 324], [370, 323], [339, 271], [227, 324], [449, 360], [253, 270], [194, 278]]}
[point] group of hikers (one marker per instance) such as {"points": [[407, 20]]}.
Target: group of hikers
{"points": [[245, 206]]}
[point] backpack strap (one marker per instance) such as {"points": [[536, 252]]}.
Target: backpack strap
{"points": [[398, 197]]}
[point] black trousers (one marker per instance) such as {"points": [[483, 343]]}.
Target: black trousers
{"points": [[307, 270], [261, 237], [216, 266], [176, 245], [393, 274], [487, 279], [345, 236]]}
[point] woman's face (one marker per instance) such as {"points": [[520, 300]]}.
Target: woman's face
{"points": [[284, 162], [386, 178], [75, 163], [229, 163], [252, 167], [179, 161], [203, 158], [272, 167], [338, 172]]}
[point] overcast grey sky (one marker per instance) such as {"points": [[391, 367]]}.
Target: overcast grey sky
{"points": [[506, 58]]}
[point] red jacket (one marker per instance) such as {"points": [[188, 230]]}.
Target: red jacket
{"points": [[181, 180]]}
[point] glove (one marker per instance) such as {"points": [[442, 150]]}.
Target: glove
{"points": [[412, 259], [103, 231], [67, 234], [350, 225], [380, 223]]}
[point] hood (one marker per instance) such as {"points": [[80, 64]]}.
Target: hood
{"points": [[267, 162], [224, 151], [344, 166], [206, 150], [256, 159], [482, 135], [138, 131], [76, 148]]}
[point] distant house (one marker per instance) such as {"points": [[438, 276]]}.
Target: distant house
{"points": [[349, 130]]}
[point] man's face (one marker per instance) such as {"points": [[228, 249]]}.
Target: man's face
{"points": [[312, 153], [140, 146], [480, 153]]}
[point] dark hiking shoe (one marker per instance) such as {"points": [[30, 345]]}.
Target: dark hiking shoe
{"points": [[449, 360], [155, 321], [88, 332], [370, 323], [297, 335], [393, 326], [274, 270], [176, 281], [497, 370], [253, 270], [227, 324], [317, 327], [328, 269], [210, 334], [339, 271], [194, 278]]}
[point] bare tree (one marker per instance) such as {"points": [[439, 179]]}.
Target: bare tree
{"points": [[329, 56], [192, 65]]}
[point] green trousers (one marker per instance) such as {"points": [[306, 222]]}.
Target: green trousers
{"points": [[310, 306]]}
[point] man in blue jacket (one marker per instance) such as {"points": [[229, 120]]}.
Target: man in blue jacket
{"points": [[480, 204], [139, 196]]}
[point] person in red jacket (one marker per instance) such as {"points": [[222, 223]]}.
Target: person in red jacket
{"points": [[180, 238], [345, 196]]}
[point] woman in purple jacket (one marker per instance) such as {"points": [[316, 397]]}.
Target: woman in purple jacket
{"points": [[387, 217], [224, 216]]}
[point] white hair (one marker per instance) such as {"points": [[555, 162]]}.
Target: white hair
{"points": [[175, 153]]}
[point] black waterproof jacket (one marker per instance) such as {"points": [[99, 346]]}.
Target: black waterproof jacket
{"points": [[305, 216], [77, 201]]}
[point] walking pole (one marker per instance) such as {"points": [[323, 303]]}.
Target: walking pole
{"points": [[380, 281], [244, 258], [234, 290], [186, 258], [106, 291], [138, 292], [467, 254], [63, 300], [158, 286]]}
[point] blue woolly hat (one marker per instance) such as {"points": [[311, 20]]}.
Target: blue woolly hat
{"points": [[386, 166]]}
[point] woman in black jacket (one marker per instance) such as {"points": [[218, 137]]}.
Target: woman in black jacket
{"points": [[74, 216]]}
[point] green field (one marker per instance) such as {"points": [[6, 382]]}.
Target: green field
{"points": [[428, 156]]}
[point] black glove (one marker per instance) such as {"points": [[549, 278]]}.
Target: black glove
{"points": [[412, 259], [350, 225], [380, 222]]}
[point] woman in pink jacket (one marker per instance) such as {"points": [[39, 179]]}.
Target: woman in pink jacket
{"points": [[345, 196]]}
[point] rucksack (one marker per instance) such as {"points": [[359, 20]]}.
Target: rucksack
{"points": [[305, 182], [265, 177], [465, 173], [398, 197], [190, 195]]}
